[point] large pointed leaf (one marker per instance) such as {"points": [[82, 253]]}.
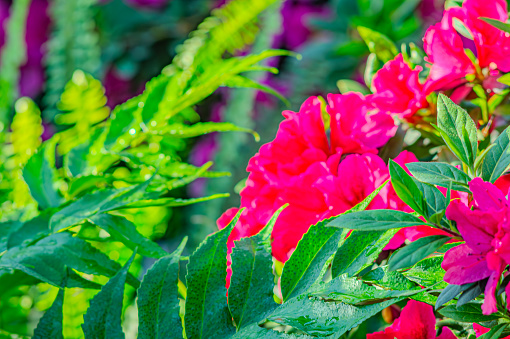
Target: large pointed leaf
{"points": [[7, 229], [46, 259], [406, 188], [360, 250], [39, 174], [313, 251], [125, 231], [319, 318], [416, 251], [250, 295], [207, 314], [428, 272], [469, 313], [158, 302], [31, 230], [440, 174], [457, 129], [497, 159], [99, 202], [50, 325], [375, 220], [103, 317]]}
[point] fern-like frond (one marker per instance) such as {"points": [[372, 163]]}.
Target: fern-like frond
{"points": [[73, 45], [82, 106], [13, 56]]}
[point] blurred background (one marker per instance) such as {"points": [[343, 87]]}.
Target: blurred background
{"points": [[124, 43]]}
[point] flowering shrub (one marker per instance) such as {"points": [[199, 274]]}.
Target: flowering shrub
{"points": [[381, 214]]}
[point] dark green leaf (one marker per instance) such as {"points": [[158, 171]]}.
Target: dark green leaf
{"points": [[103, 317], [469, 313], [46, 259], [158, 302], [250, 296], [406, 188], [378, 43], [497, 159], [440, 174], [375, 220], [7, 230], [416, 251], [495, 332], [472, 292], [457, 129], [39, 174], [207, 314], [360, 250], [31, 230], [320, 318], [254, 331], [125, 231], [313, 251], [450, 292], [50, 325]]}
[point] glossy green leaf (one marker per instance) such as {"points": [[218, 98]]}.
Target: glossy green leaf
{"points": [[47, 259], [457, 129], [440, 174], [416, 251], [406, 188], [39, 174], [99, 202], [158, 302], [250, 295], [50, 325], [375, 220], [7, 230], [360, 250], [30, 231], [103, 317], [313, 251], [207, 314], [427, 272], [495, 332], [254, 331], [497, 159], [353, 291], [469, 313], [319, 318], [378, 43], [386, 279], [125, 231]]}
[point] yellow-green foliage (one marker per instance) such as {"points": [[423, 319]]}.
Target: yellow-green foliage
{"points": [[25, 140], [82, 106]]}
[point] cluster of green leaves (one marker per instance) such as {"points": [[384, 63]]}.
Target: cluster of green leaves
{"points": [[423, 257], [74, 196]]}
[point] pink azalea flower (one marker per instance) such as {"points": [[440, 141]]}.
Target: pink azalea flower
{"points": [[479, 330], [303, 168], [417, 321], [485, 228], [445, 51], [492, 44], [397, 89]]}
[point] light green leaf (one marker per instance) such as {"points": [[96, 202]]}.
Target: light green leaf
{"points": [[378, 43], [103, 317], [239, 81], [158, 302], [201, 128], [207, 314], [416, 251], [39, 174], [440, 174], [375, 220], [495, 332], [125, 231], [428, 273], [505, 27], [497, 159], [457, 129]]}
